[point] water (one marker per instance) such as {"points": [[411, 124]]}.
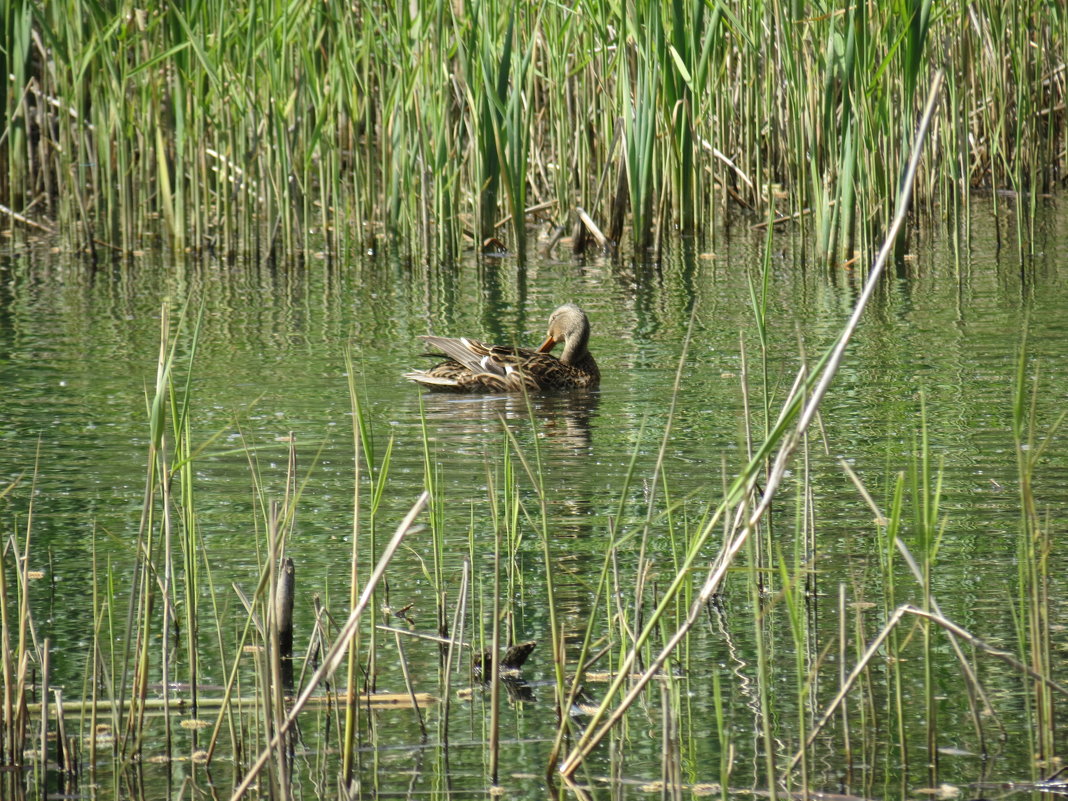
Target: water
{"points": [[78, 356]]}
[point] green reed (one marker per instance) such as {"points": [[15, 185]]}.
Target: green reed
{"points": [[792, 580], [532, 467], [1032, 599], [222, 128], [377, 474], [889, 528]]}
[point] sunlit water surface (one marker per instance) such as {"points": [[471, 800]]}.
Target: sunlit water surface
{"points": [[78, 360]]}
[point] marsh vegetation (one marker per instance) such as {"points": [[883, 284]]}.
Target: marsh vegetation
{"points": [[802, 539], [435, 127]]}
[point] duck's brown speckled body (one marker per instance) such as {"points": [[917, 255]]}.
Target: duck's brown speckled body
{"points": [[471, 366]]}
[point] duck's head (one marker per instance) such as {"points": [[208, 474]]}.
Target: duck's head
{"points": [[568, 324]]}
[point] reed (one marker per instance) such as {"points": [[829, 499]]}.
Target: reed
{"points": [[377, 473], [1032, 601], [217, 128]]}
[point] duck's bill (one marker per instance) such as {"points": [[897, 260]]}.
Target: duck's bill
{"points": [[547, 345]]}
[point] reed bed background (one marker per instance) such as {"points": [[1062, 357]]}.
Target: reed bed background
{"points": [[433, 127]]}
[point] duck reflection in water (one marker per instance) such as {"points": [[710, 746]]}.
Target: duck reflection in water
{"points": [[563, 419]]}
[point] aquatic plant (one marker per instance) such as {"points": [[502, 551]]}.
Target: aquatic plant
{"points": [[226, 129]]}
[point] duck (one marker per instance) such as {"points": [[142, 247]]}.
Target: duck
{"points": [[471, 366]]}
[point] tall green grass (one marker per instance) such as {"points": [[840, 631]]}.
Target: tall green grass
{"points": [[1034, 584], [435, 126]]}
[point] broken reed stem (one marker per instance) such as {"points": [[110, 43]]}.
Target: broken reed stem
{"points": [[274, 695], [283, 619], [591, 226], [183, 706], [351, 718], [64, 754], [46, 667], [971, 681], [168, 576], [951, 628], [409, 688], [494, 663], [458, 621], [10, 745], [25, 619]]}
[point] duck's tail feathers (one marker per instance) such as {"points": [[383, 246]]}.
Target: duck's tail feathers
{"points": [[424, 378]]}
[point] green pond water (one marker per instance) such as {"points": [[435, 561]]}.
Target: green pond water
{"points": [[78, 356]]}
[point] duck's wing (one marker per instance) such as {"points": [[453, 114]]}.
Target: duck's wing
{"points": [[452, 376], [498, 360], [468, 353], [458, 381], [544, 371], [427, 378]]}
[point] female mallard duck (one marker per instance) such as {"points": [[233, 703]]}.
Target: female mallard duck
{"points": [[471, 366]]}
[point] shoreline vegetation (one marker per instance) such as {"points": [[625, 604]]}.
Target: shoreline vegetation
{"points": [[440, 127]]}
